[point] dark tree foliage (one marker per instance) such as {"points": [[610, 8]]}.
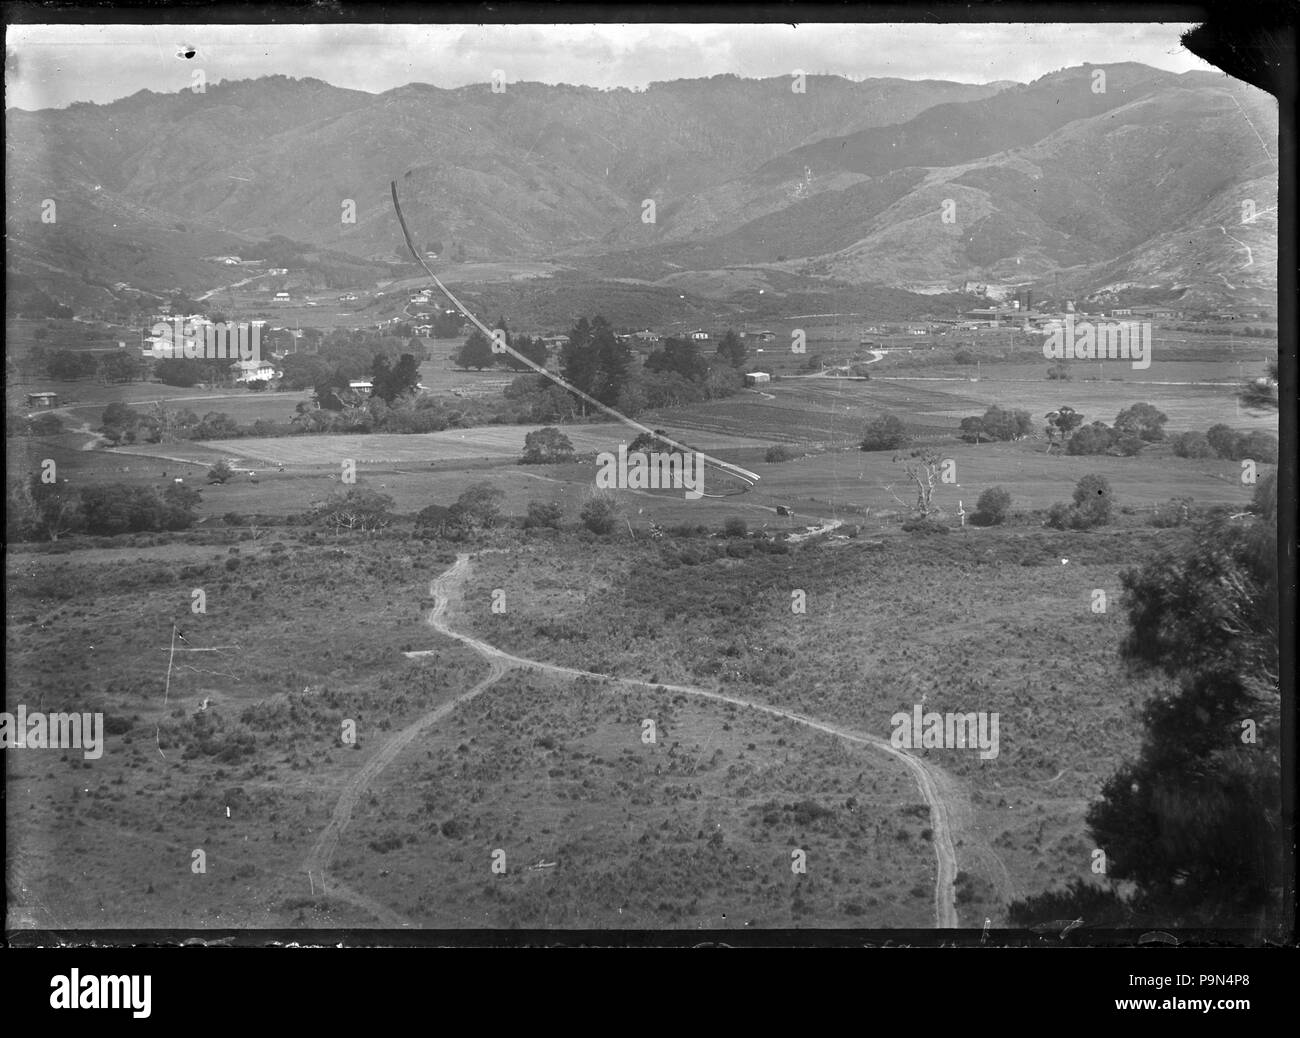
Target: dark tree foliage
{"points": [[681, 356], [178, 371], [885, 433], [1260, 394], [993, 507], [1094, 498], [533, 349], [476, 352], [1192, 445], [731, 350], [544, 514], [1096, 438], [577, 358], [546, 446], [477, 508], [613, 363], [1144, 421], [393, 381], [1210, 606], [114, 508], [599, 514], [1194, 823]]}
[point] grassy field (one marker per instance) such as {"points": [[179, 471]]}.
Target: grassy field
{"points": [[826, 410], [863, 488], [93, 633], [238, 754], [487, 442], [695, 830]]}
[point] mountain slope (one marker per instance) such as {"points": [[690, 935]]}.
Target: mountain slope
{"points": [[1107, 176]]}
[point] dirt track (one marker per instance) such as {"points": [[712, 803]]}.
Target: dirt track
{"points": [[944, 797]]}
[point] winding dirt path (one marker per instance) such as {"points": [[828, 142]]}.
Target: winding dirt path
{"points": [[318, 860], [949, 807], [939, 790]]}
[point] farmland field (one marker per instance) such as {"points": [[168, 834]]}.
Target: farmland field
{"points": [[834, 410], [491, 442]]}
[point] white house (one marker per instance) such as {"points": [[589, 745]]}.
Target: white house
{"points": [[282, 297], [700, 336], [253, 370], [754, 378], [363, 386]]}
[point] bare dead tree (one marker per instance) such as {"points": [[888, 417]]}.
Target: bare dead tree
{"points": [[922, 468]]}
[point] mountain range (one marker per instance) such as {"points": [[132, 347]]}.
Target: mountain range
{"points": [[1095, 178]]}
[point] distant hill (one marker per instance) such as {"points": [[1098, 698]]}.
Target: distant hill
{"points": [[1134, 184]]}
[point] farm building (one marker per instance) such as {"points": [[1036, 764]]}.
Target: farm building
{"points": [[282, 297], [754, 378], [700, 336], [253, 370], [35, 400]]}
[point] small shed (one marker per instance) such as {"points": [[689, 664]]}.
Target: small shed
{"points": [[36, 400], [754, 378]]}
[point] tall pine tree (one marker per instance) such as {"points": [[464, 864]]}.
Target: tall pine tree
{"points": [[613, 363], [578, 358]]}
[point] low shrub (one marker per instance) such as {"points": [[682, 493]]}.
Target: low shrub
{"points": [[924, 525], [992, 507], [735, 526], [1192, 445], [543, 514], [1176, 511], [599, 515]]}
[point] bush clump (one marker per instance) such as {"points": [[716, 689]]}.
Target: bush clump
{"points": [[1093, 505], [1177, 511], [924, 525], [992, 507], [885, 433], [543, 514], [599, 515], [1192, 445]]}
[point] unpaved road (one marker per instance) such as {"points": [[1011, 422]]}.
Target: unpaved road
{"points": [[936, 787], [940, 791], [317, 863]]}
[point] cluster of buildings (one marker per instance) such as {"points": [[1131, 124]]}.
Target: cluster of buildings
{"points": [[219, 341], [1018, 310]]}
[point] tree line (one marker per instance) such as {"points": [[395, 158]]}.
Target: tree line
{"points": [[595, 361]]}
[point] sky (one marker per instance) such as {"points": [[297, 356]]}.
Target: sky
{"points": [[53, 66]]}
